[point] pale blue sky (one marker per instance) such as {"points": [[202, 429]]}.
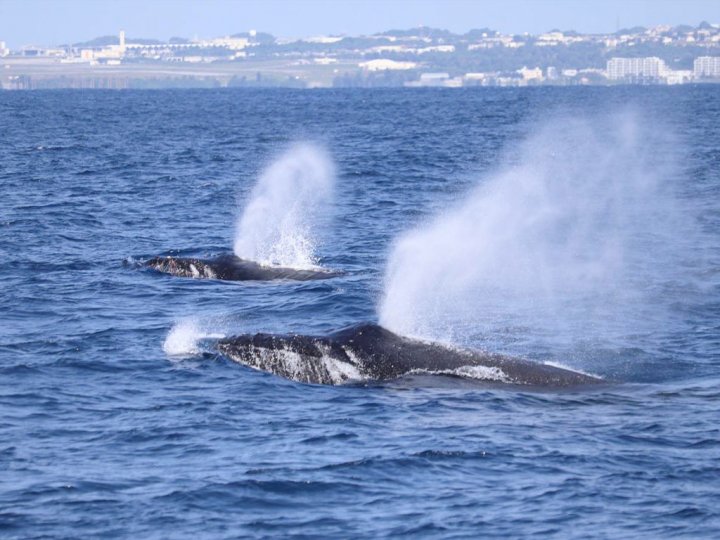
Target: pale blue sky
{"points": [[50, 22]]}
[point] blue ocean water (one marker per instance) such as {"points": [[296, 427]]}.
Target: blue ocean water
{"points": [[102, 433]]}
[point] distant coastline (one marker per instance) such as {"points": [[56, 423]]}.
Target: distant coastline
{"points": [[420, 57]]}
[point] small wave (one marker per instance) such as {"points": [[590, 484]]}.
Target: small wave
{"points": [[185, 338]]}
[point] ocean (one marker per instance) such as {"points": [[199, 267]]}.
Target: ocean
{"points": [[574, 226]]}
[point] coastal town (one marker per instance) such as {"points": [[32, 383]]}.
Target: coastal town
{"points": [[419, 57]]}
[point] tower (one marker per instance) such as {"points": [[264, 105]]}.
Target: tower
{"points": [[122, 41]]}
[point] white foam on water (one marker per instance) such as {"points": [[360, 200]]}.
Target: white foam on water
{"points": [[279, 223], [185, 337]]}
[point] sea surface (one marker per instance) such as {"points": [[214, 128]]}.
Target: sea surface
{"points": [[117, 419]]}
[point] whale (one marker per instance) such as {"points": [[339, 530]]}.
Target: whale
{"points": [[369, 352], [229, 267]]}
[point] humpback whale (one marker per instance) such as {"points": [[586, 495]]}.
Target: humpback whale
{"points": [[228, 267], [370, 352]]}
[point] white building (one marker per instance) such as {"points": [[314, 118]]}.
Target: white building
{"points": [[107, 53], [707, 67], [390, 48], [382, 64], [492, 42], [437, 48], [234, 44], [527, 74], [431, 78], [436, 79], [477, 77], [4, 51], [325, 40], [651, 67], [410, 50], [680, 76], [556, 38]]}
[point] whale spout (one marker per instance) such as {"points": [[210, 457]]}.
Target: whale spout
{"points": [[232, 268], [371, 352]]}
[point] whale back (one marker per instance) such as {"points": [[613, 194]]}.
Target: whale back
{"points": [[228, 267], [370, 352]]}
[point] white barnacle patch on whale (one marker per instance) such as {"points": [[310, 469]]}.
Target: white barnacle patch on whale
{"points": [[291, 364], [339, 371], [480, 373], [283, 361]]}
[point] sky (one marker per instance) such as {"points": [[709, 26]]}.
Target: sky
{"points": [[52, 22]]}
